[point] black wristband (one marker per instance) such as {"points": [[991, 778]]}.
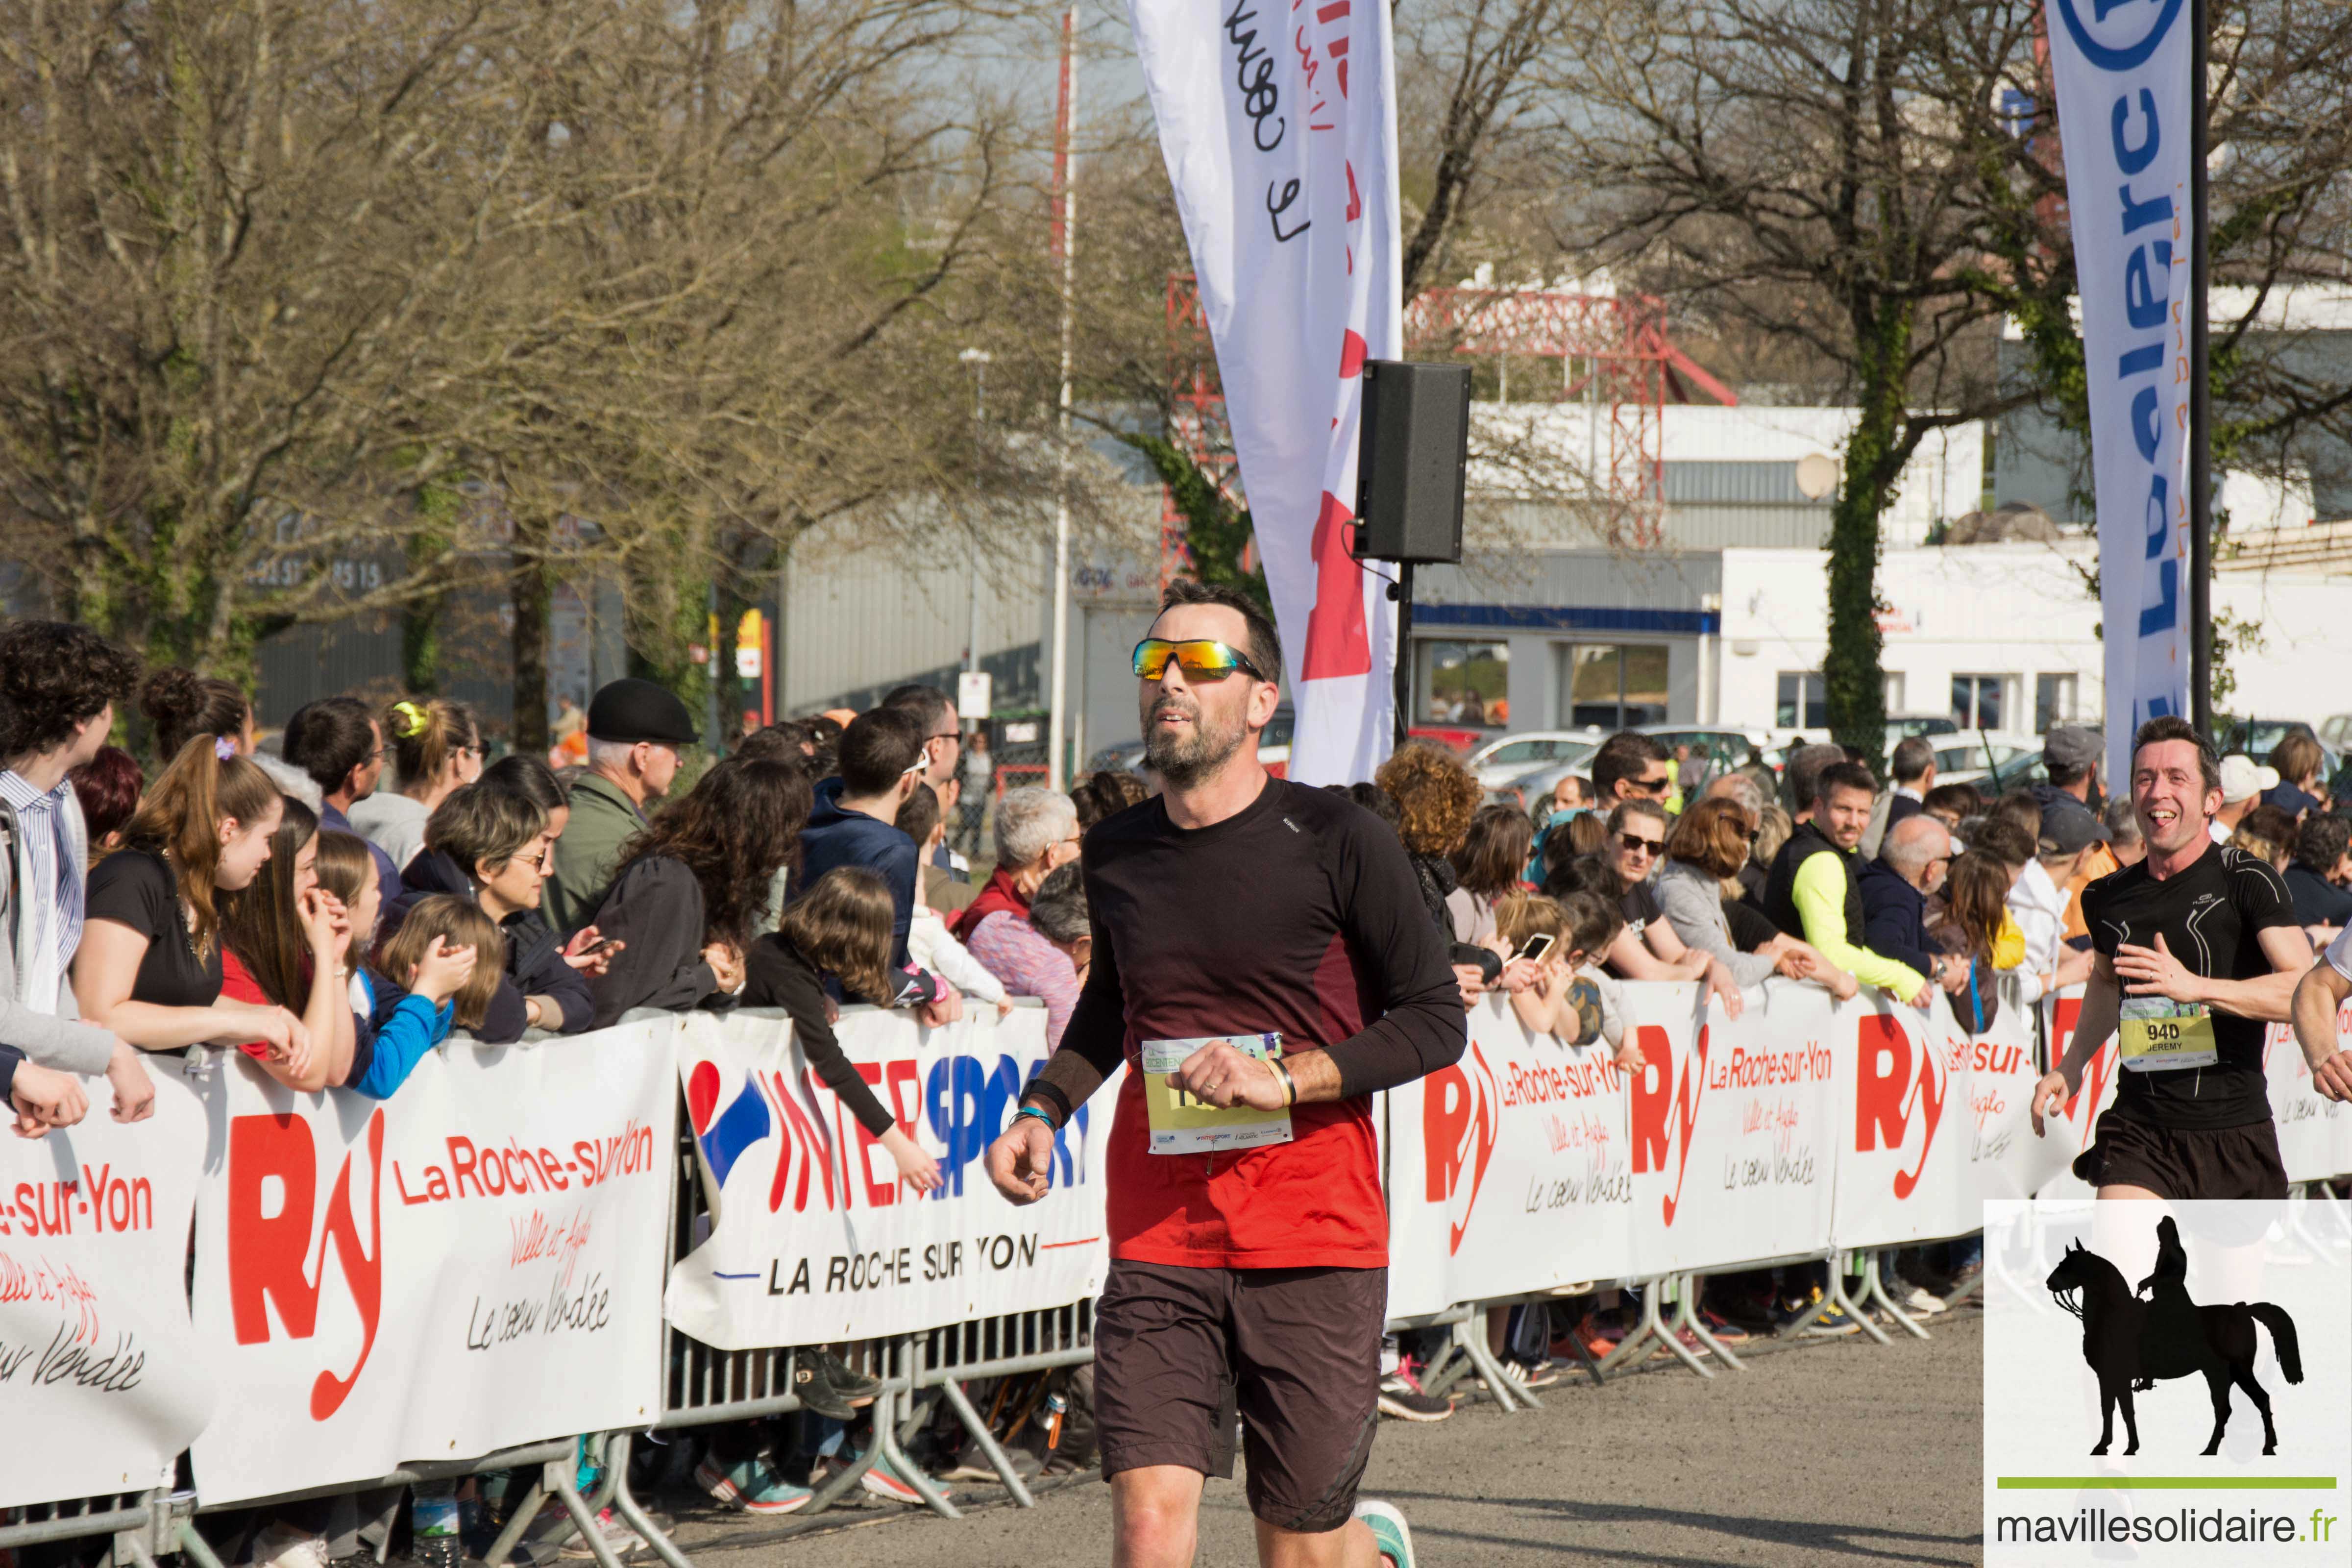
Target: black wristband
{"points": [[1048, 1097]]}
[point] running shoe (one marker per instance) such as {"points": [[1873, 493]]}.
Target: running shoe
{"points": [[1916, 1301], [1389, 1531], [1967, 1274], [1599, 1335], [814, 1388], [1401, 1397], [1542, 1376], [1689, 1341], [883, 1481], [1831, 1324], [284, 1545], [619, 1539], [971, 1464], [854, 1387], [750, 1485], [1723, 1328]]}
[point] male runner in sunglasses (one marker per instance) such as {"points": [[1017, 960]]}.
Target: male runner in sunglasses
{"points": [[1248, 1235]]}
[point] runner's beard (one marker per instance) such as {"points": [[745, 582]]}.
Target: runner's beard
{"points": [[1185, 762]]}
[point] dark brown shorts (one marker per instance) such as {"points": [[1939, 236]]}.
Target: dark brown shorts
{"points": [[2220, 1163], [1295, 1352]]}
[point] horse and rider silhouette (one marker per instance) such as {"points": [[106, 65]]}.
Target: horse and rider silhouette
{"points": [[2131, 1343]]}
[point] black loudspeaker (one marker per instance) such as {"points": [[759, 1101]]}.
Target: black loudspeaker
{"points": [[1412, 461]]}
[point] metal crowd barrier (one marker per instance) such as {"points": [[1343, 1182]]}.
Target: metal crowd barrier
{"points": [[704, 1386]]}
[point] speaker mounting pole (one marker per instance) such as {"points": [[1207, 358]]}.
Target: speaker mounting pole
{"points": [[1401, 591]]}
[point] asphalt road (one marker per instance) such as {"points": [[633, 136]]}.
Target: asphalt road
{"points": [[1837, 1452]]}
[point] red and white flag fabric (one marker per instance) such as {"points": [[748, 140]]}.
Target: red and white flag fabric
{"points": [[1278, 122]]}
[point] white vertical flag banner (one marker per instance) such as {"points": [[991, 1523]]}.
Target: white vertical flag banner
{"points": [[2124, 102], [1279, 127]]}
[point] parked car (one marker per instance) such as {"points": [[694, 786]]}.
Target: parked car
{"points": [[1500, 761], [1459, 741], [1994, 763], [1903, 726], [1715, 747]]}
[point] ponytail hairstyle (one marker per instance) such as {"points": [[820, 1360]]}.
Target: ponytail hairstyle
{"points": [[180, 704], [344, 867], [262, 924], [424, 735], [464, 923], [179, 819], [842, 925]]}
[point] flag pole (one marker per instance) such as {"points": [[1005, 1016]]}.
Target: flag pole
{"points": [[2201, 422]]}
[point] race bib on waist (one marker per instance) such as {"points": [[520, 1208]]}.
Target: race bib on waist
{"points": [[2155, 1034], [1181, 1124]]}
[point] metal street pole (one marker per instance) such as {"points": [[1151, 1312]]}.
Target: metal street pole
{"points": [[979, 360], [1066, 245], [2200, 411]]}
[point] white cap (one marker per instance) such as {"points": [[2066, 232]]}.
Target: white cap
{"points": [[2243, 778]]}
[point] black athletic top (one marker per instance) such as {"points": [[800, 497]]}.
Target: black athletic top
{"points": [[2211, 915], [135, 887], [778, 975]]}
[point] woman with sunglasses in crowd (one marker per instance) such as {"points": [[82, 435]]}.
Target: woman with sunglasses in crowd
{"points": [[1697, 889], [1648, 948], [493, 849]]}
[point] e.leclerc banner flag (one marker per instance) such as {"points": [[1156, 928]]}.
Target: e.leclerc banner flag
{"points": [[2125, 99], [1278, 122]]}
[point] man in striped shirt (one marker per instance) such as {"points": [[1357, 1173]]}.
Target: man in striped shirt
{"points": [[59, 684]]}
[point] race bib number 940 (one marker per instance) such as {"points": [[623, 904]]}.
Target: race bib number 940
{"points": [[2156, 1035], [1181, 1124]]}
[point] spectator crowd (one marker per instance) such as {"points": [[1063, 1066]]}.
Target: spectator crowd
{"points": [[336, 909]]}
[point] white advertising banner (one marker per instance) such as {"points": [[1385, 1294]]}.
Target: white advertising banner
{"points": [[1734, 1128], [2313, 1132], [815, 1240], [1510, 1171], [1278, 124], [474, 1263], [1902, 1160], [99, 1371], [2124, 102], [1997, 1071]]}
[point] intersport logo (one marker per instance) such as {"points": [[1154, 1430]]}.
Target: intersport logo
{"points": [[1459, 1125], [274, 1219], [1894, 1083], [1664, 1111]]}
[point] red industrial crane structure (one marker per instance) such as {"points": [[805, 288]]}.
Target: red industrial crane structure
{"points": [[1615, 356]]}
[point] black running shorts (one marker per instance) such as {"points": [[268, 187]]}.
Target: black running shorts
{"points": [[2175, 1163], [1295, 1352]]}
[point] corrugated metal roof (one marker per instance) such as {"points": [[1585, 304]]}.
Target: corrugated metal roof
{"points": [[1722, 481]]}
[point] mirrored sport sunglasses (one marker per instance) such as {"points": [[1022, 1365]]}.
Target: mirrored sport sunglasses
{"points": [[1203, 658]]}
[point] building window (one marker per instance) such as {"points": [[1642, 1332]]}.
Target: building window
{"points": [[1612, 685], [1804, 703], [1979, 701], [1466, 683], [1894, 692], [2053, 701]]}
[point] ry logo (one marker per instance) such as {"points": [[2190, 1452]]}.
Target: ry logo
{"points": [[273, 1178], [1665, 1107], [1887, 1090], [1459, 1124]]}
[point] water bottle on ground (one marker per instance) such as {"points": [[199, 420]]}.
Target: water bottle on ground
{"points": [[433, 1521]]}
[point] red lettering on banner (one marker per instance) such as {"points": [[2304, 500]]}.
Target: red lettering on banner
{"points": [[877, 1193], [803, 1146], [1335, 641], [266, 1252], [1881, 1084], [1664, 1085], [1886, 1090], [1458, 1128]]}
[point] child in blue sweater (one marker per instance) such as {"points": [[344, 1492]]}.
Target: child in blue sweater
{"points": [[438, 951]]}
